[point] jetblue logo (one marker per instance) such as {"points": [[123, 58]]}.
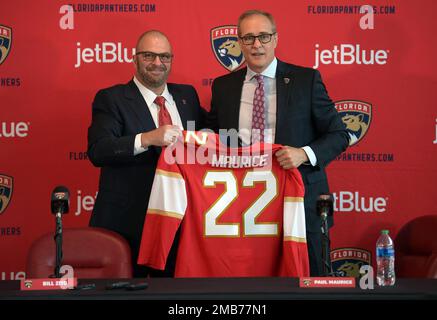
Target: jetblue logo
{"points": [[14, 129], [105, 52], [84, 203], [347, 54], [346, 201]]}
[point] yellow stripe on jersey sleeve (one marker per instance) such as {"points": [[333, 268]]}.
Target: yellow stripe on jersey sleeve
{"points": [[165, 213]]}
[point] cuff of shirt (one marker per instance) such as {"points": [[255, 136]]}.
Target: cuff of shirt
{"points": [[311, 155], [137, 146]]}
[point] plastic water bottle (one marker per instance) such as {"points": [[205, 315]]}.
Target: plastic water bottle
{"points": [[385, 260]]}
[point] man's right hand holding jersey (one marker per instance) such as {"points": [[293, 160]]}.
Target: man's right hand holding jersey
{"points": [[162, 136]]}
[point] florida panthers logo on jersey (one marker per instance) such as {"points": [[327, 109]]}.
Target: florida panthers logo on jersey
{"points": [[346, 262], [5, 42], [224, 42], [357, 116], [6, 184]]}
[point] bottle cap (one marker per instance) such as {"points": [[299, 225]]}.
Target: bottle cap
{"points": [[384, 231]]}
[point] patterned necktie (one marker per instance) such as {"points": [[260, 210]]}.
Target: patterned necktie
{"points": [[163, 115], [258, 116]]}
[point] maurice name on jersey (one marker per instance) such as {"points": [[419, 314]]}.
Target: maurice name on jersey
{"points": [[224, 161], [206, 149]]}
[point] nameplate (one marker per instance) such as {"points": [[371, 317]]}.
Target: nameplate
{"points": [[327, 282], [48, 284]]}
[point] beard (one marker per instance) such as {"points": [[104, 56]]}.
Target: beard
{"points": [[150, 80]]}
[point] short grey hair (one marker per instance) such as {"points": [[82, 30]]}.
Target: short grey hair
{"points": [[250, 13]]}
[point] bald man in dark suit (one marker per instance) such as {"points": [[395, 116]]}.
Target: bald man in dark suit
{"points": [[130, 124]]}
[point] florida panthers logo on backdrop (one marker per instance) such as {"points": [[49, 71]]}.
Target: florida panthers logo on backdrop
{"points": [[357, 116], [6, 184], [5, 42], [346, 262], [224, 42]]}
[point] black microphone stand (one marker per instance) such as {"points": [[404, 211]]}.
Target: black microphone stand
{"points": [[60, 204], [325, 208], [58, 241], [326, 245]]}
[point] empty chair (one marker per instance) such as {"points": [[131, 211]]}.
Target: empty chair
{"points": [[416, 248], [92, 252]]}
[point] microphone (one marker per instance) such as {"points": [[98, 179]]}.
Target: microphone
{"points": [[60, 203], [325, 208], [325, 205]]}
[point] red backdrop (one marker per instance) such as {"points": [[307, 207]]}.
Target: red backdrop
{"points": [[384, 180]]}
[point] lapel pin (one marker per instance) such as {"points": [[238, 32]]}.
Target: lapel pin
{"points": [[184, 101], [286, 80]]}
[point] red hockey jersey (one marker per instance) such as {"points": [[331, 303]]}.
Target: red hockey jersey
{"points": [[241, 214]]}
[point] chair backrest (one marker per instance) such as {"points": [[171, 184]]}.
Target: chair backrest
{"points": [[416, 248], [92, 252]]}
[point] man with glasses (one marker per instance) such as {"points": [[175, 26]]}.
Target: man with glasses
{"points": [[276, 102], [130, 124]]}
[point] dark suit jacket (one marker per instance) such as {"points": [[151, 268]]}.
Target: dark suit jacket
{"points": [[119, 113], [306, 116]]}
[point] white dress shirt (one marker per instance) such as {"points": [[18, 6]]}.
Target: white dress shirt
{"points": [[149, 96], [246, 107]]}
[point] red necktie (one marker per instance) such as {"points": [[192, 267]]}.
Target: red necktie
{"points": [[258, 116], [163, 115]]}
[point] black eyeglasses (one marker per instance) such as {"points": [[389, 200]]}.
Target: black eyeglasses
{"points": [[263, 38], [151, 56]]}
